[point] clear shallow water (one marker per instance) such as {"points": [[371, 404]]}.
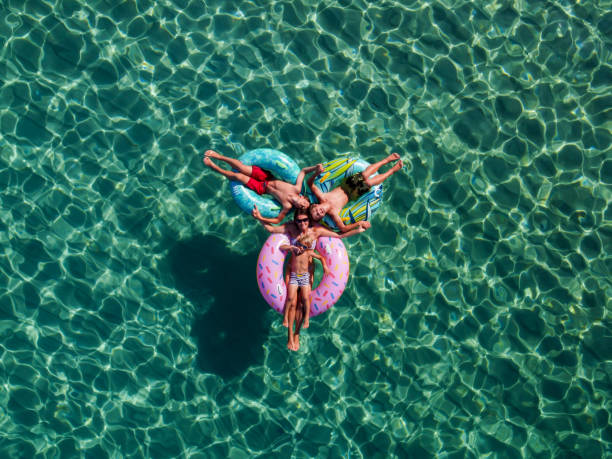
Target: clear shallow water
{"points": [[477, 317]]}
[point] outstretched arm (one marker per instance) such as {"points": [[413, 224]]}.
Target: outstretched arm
{"points": [[282, 214], [346, 228], [359, 227], [302, 174], [315, 189], [273, 229]]}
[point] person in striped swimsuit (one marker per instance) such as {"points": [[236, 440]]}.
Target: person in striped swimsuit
{"points": [[302, 236]]}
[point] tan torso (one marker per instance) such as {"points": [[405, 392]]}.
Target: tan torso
{"points": [[337, 199], [299, 263], [281, 191]]}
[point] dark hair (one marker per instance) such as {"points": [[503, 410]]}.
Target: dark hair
{"points": [[298, 212], [306, 197]]}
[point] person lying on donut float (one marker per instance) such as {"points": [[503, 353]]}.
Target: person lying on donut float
{"points": [[302, 237]]}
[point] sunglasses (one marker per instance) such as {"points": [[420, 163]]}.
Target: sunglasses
{"points": [[302, 220]]}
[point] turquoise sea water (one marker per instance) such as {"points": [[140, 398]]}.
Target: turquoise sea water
{"points": [[476, 321]]}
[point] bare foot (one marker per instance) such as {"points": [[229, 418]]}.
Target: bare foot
{"points": [[211, 154], [208, 162], [285, 322], [397, 166], [306, 323], [296, 342], [394, 157], [290, 345]]}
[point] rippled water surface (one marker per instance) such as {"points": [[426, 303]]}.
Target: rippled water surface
{"points": [[476, 320]]}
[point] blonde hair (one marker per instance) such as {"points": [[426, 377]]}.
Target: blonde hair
{"points": [[306, 239]]}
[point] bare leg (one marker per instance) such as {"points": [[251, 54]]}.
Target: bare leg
{"points": [[235, 163], [299, 319], [373, 168], [229, 174], [291, 334], [291, 306], [378, 179], [286, 310], [305, 291], [372, 180], [311, 270], [286, 314]]}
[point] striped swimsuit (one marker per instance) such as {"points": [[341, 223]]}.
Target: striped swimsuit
{"points": [[300, 279]]}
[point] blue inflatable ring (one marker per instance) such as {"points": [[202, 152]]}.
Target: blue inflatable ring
{"points": [[280, 165], [355, 211]]}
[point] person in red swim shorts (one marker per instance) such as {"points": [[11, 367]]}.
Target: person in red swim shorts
{"points": [[262, 182]]}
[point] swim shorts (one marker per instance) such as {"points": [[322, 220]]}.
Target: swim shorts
{"points": [[259, 180], [299, 279], [354, 186]]}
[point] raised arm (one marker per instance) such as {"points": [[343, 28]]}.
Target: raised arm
{"points": [[315, 189], [302, 174], [272, 228], [282, 214]]}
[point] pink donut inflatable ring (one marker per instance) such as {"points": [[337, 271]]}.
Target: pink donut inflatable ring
{"points": [[271, 281]]}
